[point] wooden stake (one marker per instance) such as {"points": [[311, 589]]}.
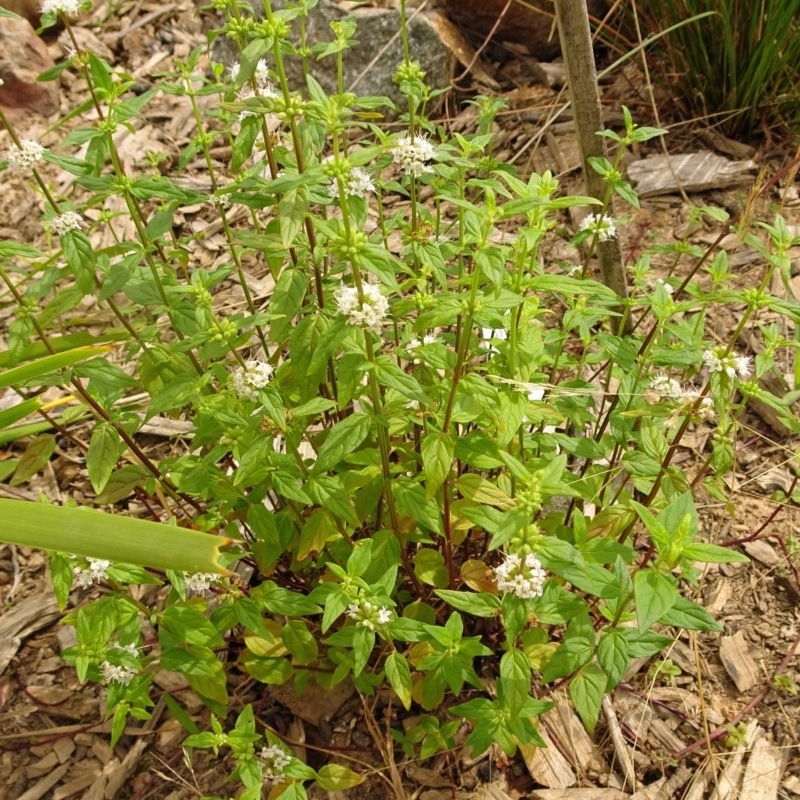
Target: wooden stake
{"points": [[576, 48]]}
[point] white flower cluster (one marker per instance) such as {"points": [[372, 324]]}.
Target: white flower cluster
{"points": [[23, 159], [69, 8], [413, 155], [263, 88], [732, 365], [370, 314], [114, 674], [669, 389], [415, 344], [254, 375], [601, 227], [199, 582], [666, 387], [358, 184], [523, 577], [66, 222], [276, 760], [96, 571], [369, 615]]}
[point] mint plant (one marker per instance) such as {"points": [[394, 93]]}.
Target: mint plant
{"points": [[429, 463]]}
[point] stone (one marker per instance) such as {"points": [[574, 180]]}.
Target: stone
{"points": [[369, 66], [30, 9], [530, 23], [23, 56]]}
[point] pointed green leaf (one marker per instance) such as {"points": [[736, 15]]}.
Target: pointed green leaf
{"points": [[654, 593], [126, 540]]}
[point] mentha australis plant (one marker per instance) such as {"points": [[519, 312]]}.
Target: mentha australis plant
{"points": [[432, 465]]}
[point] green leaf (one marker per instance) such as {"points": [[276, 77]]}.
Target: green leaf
{"points": [[292, 210], [80, 257], [116, 538], [437, 457], [336, 778], [36, 455], [285, 602], [398, 674], [430, 568], [690, 616], [286, 301], [363, 644], [300, 642], [515, 679], [245, 139], [654, 594], [25, 373], [712, 554], [62, 573], [389, 374], [586, 691], [571, 655], [344, 437], [478, 604], [102, 455], [613, 656]]}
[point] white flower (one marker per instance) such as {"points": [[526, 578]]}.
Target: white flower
{"points": [[743, 365], [666, 387], [358, 184], [219, 200], [67, 7], [370, 314], [428, 338], [199, 582], [131, 649], [66, 222], [96, 571], [115, 674], [384, 615], [23, 159], [262, 73], [705, 408], [254, 375], [523, 577], [277, 759], [602, 227], [368, 615], [732, 365], [263, 89], [667, 287], [415, 344], [413, 155]]}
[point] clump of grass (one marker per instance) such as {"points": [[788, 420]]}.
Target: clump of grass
{"points": [[737, 66]]}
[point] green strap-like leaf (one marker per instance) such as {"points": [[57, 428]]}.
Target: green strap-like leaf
{"points": [[115, 538]]}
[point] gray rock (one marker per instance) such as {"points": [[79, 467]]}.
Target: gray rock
{"points": [[23, 55], [371, 64]]}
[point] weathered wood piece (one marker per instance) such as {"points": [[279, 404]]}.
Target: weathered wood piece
{"points": [[739, 664], [762, 777], [23, 619], [547, 765], [727, 784], [578, 794], [692, 172]]}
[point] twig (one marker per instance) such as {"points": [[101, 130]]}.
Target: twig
{"points": [[618, 738]]}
